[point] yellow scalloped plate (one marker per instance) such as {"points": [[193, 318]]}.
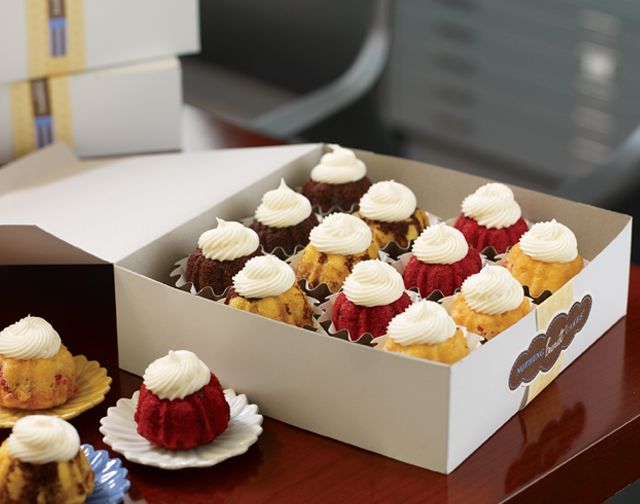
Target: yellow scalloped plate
{"points": [[93, 385]]}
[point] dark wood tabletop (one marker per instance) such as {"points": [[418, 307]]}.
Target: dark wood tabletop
{"points": [[576, 442]]}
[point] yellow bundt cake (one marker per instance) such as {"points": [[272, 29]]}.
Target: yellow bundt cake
{"points": [[489, 302], [545, 258], [267, 286], [36, 369], [390, 210], [426, 330], [41, 462], [336, 245]]}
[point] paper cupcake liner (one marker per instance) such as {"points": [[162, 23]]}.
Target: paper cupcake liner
{"points": [[279, 252], [313, 303], [322, 291], [474, 341], [326, 320], [182, 283]]}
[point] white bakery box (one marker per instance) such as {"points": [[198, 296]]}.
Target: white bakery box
{"points": [[142, 214], [52, 37], [114, 111]]}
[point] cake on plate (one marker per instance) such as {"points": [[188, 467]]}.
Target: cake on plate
{"points": [[181, 404], [36, 369], [41, 462]]}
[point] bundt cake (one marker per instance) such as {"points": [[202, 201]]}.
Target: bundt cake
{"points": [[491, 218], [441, 260], [390, 210], [36, 369], [490, 302], [284, 219], [426, 330], [41, 462], [372, 295], [267, 286], [181, 404], [337, 182], [220, 254], [545, 258], [336, 245]]}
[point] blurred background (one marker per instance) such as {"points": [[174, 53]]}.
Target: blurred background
{"points": [[542, 94]]}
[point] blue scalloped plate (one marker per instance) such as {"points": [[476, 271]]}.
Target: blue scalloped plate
{"points": [[111, 483]]}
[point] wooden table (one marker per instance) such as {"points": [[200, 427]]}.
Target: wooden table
{"points": [[577, 442]]}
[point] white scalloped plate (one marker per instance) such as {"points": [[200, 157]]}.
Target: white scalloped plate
{"points": [[120, 433]]}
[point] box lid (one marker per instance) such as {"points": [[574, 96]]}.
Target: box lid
{"points": [[113, 208]]}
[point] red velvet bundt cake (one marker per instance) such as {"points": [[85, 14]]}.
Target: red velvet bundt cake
{"points": [[181, 403], [339, 180], [491, 218], [221, 253], [373, 294], [441, 260], [284, 219]]}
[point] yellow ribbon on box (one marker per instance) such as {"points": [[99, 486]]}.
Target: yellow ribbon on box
{"points": [[55, 36], [24, 101]]}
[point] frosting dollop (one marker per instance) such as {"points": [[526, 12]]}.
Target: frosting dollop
{"points": [[492, 291], [388, 201], [373, 283], [283, 207], [228, 241], [339, 166], [341, 233], [440, 244], [40, 439], [493, 206], [264, 276], [176, 375], [550, 242], [424, 322], [29, 338]]}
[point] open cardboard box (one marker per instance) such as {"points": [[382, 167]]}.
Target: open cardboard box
{"points": [[142, 214]]}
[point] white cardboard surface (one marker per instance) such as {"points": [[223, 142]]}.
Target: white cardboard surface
{"points": [[154, 195], [116, 32], [130, 109]]}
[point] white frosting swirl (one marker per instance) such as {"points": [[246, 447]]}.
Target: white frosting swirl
{"points": [[229, 241], [283, 207], [373, 283], [424, 322], [440, 244], [29, 338], [492, 206], [41, 439], [388, 201], [176, 375], [264, 276], [492, 291], [550, 242], [338, 167], [341, 233]]}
